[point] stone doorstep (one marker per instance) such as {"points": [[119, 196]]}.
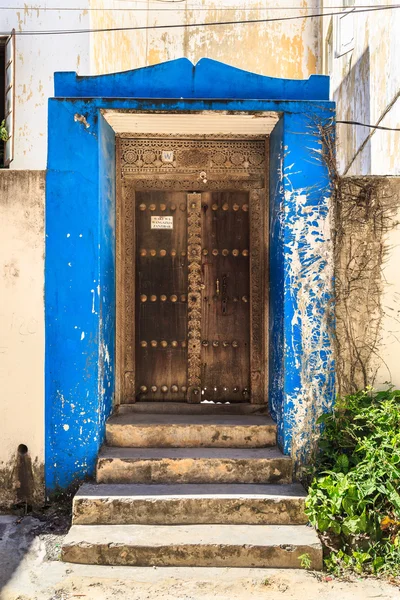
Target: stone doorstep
{"points": [[154, 504], [193, 465], [181, 408], [189, 431], [193, 545]]}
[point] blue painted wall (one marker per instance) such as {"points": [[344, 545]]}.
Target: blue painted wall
{"points": [[80, 247]]}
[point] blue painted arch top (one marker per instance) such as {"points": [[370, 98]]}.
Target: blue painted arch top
{"points": [[181, 79]]}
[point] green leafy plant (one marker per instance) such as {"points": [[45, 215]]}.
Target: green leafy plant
{"points": [[3, 131], [354, 499], [305, 561]]}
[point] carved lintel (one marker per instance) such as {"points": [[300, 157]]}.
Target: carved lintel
{"points": [[179, 158], [257, 296], [194, 297]]}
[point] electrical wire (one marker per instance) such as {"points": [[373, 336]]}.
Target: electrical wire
{"points": [[191, 25], [187, 7], [368, 125]]}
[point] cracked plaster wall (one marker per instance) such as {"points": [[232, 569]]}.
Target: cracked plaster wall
{"points": [[21, 326]]}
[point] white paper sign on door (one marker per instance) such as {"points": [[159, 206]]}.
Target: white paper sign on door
{"points": [[162, 222]]}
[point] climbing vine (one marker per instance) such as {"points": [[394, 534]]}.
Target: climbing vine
{"points": [[364, 210]]}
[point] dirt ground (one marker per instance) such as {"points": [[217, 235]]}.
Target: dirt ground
{"points": [[30, 570]]}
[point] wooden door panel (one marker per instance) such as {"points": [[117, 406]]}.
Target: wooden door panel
{"points": [[225, 351], [161, 296]]}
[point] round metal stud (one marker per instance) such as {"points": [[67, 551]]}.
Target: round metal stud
{"points": [[182, 206], [143, 298], [163, 207], [245, 391], [215, 389], [153, 252], [225, 389], [143, 344], [174, 344], [205, 251], [214, 207], [184, 344], [153, 298], [204, 343], [225, 252], [152, 207], [143, 389], [184, 389], [163, 297], [235, 390], [143, 252], [245, 253], [215, 344], [174, 389], [164, 389], [215, 252], [163, 253], [183, 298], [225, 206], [245, 299], [142, 207], [235, 252], [173, 207], [245, 207], [183, 253], [153, 388], [236, 207], [173, 298], [225, 344], [153, 343], [163, 344], [196, 391], [235, 299], [235, 344], [173, 252]]}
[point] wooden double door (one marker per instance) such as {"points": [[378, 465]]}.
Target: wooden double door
{"points": [[192, 296]]}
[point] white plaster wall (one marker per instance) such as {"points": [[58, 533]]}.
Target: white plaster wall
{"points": [[21, 315], [37, 58], [286, 49], [365, 83]]}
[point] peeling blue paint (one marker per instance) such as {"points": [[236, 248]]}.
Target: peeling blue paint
{"points": [[80, 247]]}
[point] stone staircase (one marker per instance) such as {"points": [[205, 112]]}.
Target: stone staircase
{"points": [[191, 485]]}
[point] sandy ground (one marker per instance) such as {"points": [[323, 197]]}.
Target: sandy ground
{"points": [[29, 571]]}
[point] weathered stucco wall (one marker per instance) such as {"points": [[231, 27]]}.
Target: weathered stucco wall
{"points": [[21, 335], [285, 49], [367, 282], [288, 49], [365, 83], [36, 59]]}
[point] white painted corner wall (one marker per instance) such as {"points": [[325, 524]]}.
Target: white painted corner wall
{"points": [[22, 195]]}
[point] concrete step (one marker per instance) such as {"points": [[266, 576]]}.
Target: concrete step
{"points": [[184, 408], [193, 545], [193, 465], [190, 431], [180, 504]]}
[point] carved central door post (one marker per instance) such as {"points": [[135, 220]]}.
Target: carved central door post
{"points": [[194, 297]]}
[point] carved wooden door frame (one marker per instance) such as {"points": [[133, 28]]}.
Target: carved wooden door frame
{"points": [[140, 166]]}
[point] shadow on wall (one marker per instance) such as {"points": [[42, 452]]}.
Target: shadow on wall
{"points": [[353, 98]]}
